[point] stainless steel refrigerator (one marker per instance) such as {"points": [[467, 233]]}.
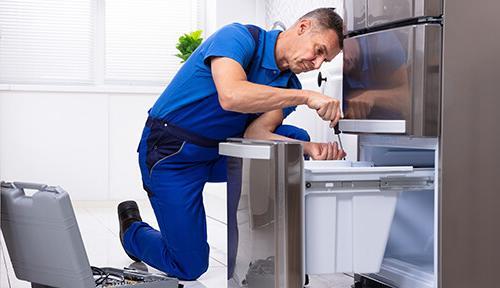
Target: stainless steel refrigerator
{"points": [[419, 89], [420, 96]]}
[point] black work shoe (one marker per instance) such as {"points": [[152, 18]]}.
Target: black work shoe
{"points": [[128, 213]]}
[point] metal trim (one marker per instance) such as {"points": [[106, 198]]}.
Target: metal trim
{"points": [[373, 126]]}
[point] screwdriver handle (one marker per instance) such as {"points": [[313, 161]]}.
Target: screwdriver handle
{"points": [[336, 129]]}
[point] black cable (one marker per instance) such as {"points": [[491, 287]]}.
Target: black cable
{"points": [[97, 270], [102, 280], [103, 276], [106, 276]]}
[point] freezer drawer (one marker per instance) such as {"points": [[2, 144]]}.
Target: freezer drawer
{"points": [[392, 81], [348, 211], [360, 14], [287, 217]]}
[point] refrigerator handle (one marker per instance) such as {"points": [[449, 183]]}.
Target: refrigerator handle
{"points": [[244, 150]]}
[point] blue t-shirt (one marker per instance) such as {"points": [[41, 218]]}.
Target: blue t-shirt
{"points": [[191, 101]]}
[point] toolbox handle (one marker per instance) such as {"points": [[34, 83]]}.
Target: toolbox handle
{"points": [[27, 185], [36, 186]]}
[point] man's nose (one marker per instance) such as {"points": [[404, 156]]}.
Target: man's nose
{"points": [[318, 61]]}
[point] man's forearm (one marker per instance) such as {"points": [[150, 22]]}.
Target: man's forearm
{"points": [[265, 135], [395, 99], [246, 97]]}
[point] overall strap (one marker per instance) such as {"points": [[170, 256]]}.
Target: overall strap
{"points": [[254, 31]]}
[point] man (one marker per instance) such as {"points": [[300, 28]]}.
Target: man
{"points": [[240, 82]]}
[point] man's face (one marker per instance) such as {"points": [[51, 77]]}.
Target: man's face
{"points": [[313, 46]]}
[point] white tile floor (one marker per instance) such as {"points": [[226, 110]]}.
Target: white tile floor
{"points": [[99, 228]]}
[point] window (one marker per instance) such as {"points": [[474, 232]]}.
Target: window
{"points": [[93, 42], [140, 38], [46, 41]]}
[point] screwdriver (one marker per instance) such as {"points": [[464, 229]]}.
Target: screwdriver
{"points": [[336, 131]]}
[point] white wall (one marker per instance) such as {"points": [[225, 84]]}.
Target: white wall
{"points": [[83, 142], [223, 12], [288, 11]]}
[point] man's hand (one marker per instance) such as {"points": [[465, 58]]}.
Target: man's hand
{"points": [[326, 107], [324, 151], [359, 105]]}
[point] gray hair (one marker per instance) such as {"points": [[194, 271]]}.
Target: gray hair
{"points": [[327, 18]]}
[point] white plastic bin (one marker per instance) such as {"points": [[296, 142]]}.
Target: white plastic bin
{"points": [[349, 208]]}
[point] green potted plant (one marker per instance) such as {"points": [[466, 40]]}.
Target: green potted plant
{"points": [[187, 44]]}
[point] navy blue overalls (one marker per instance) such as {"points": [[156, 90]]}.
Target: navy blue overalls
{"points": [[178, 150]]}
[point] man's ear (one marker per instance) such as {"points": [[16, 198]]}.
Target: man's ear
{"points": [[303, 26]]}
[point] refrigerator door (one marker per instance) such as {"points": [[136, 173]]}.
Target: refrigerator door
{"points": [[381, 12], [362, 14], [394, 76], [355, 15], [264, 203]]}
